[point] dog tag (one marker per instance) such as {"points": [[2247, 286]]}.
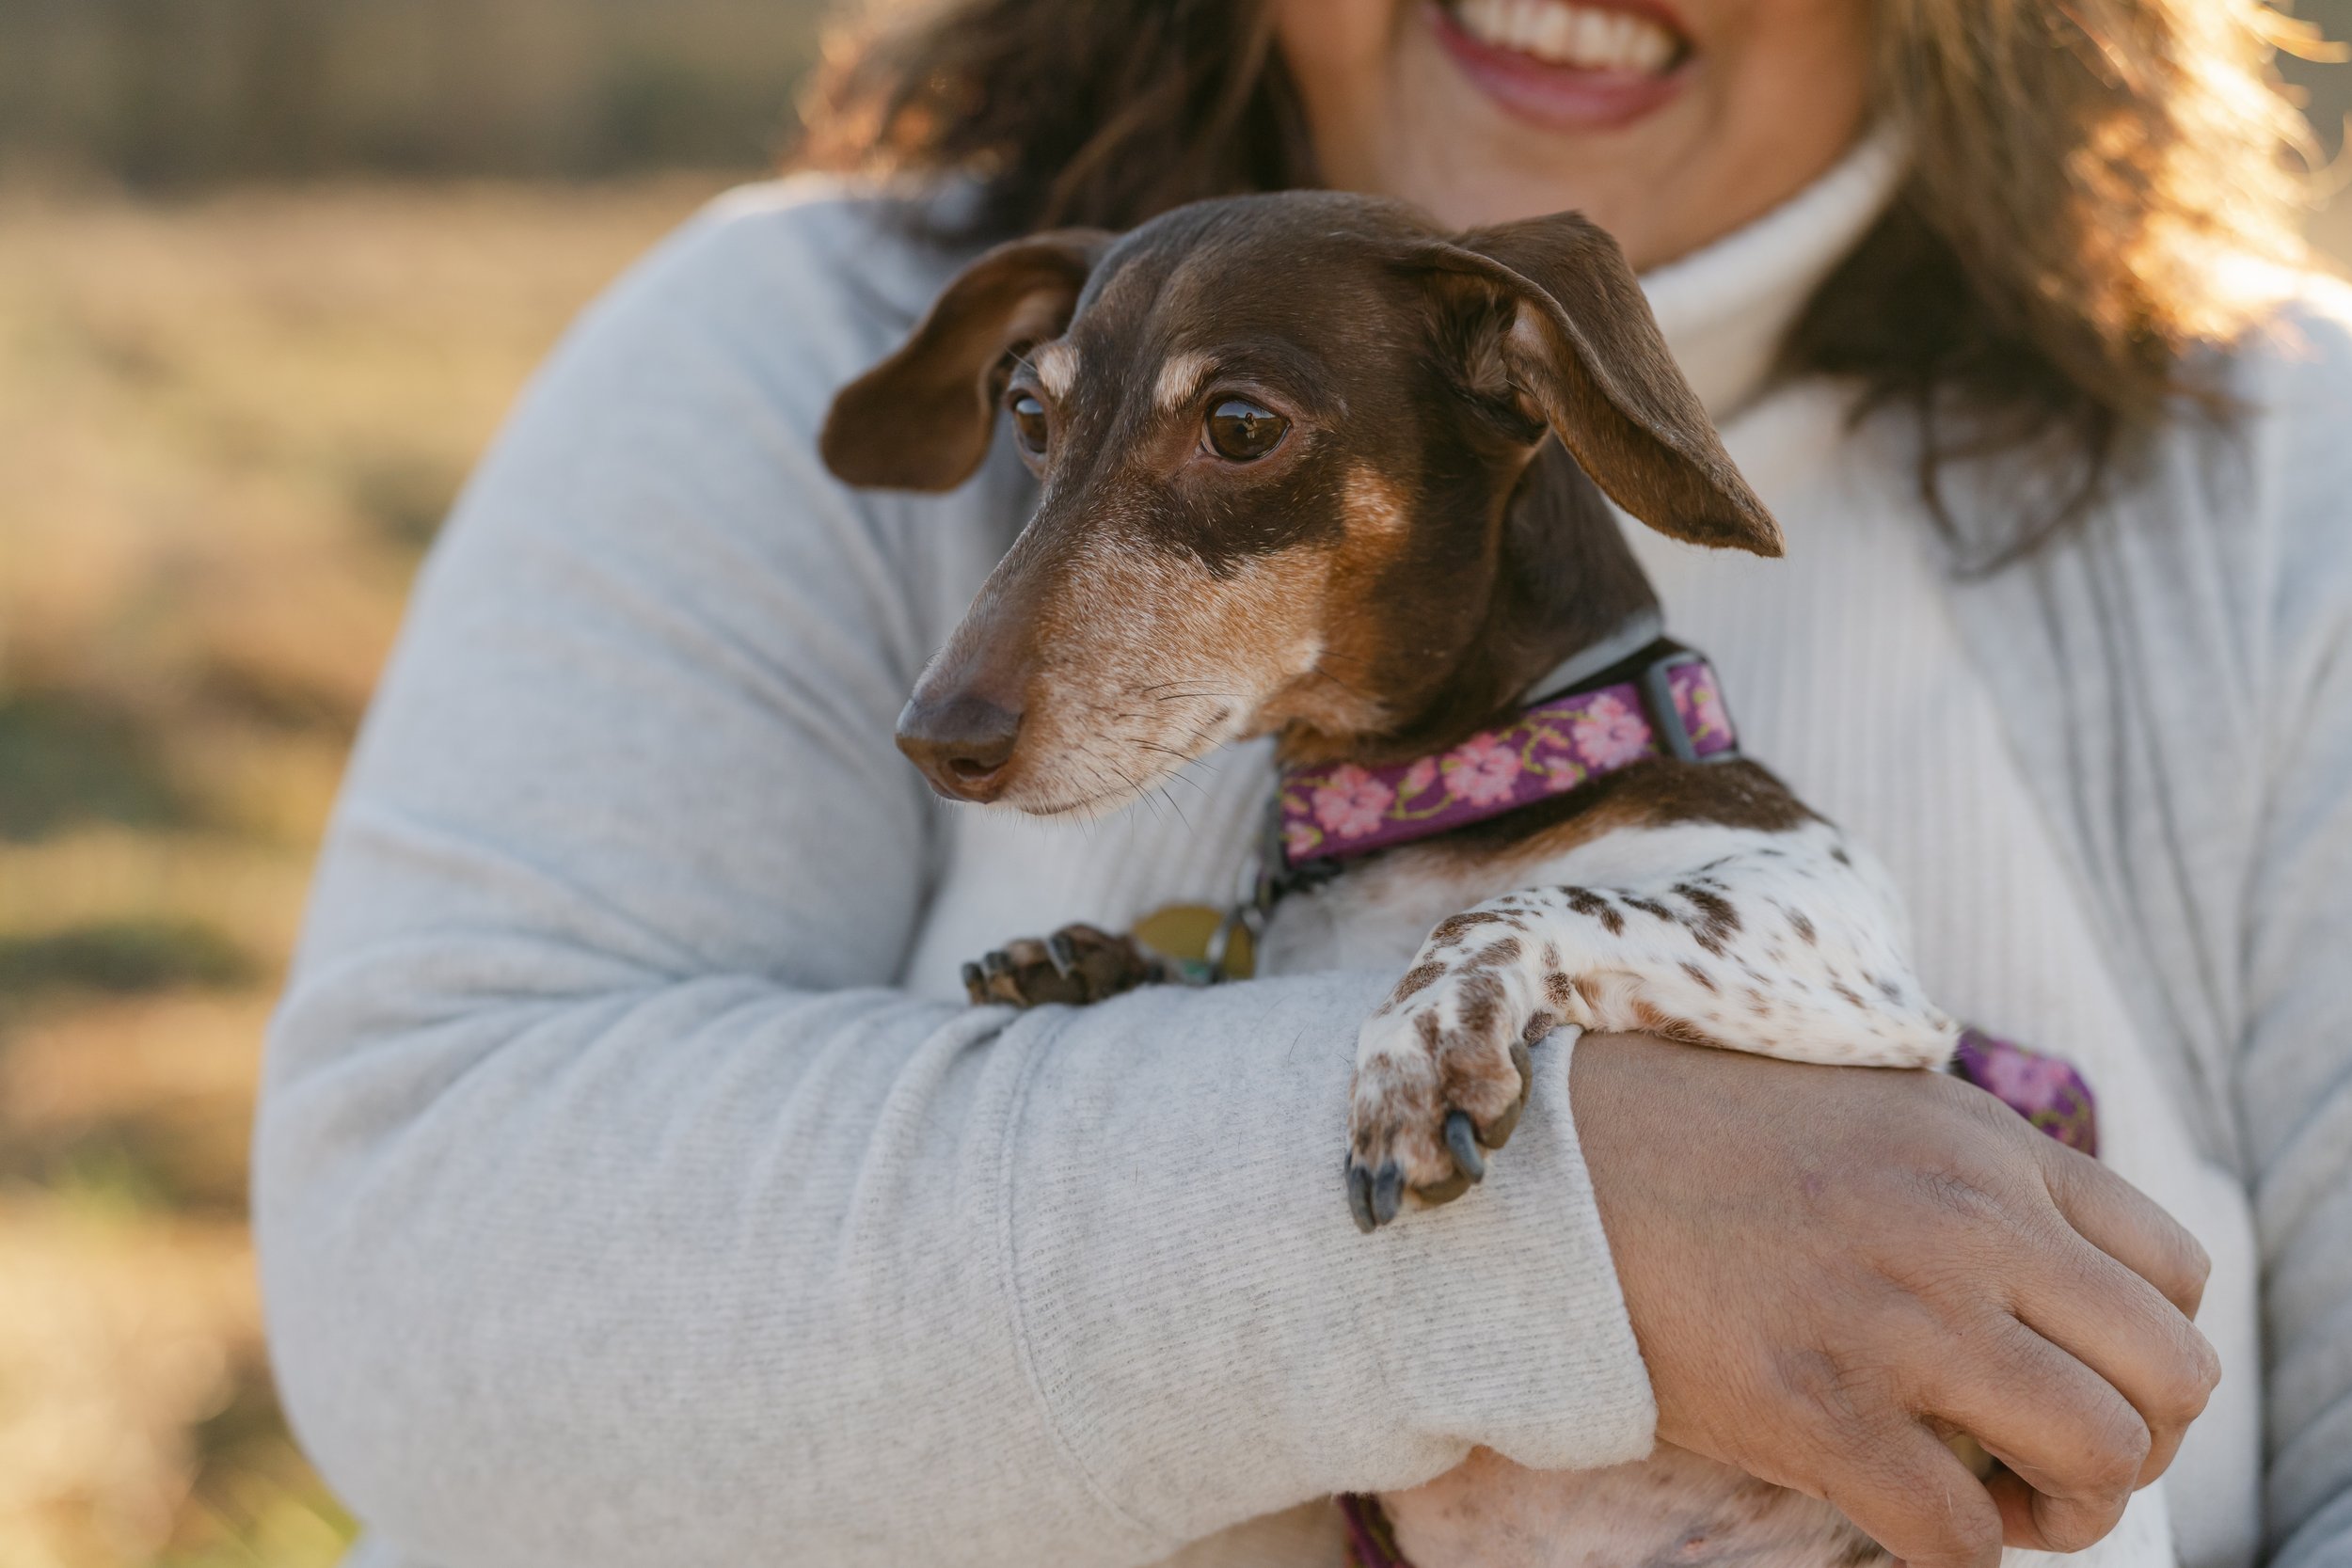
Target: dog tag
{"points": [[1182, 934]]}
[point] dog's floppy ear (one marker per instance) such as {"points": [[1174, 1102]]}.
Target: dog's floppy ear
{"points": [[920, 420], [1576, 340]]}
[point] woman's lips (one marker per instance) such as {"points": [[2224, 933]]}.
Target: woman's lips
{"points": [[1570, 66]]}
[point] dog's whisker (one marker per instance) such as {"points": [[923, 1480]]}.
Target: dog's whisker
{"points": [[1346, 686], [1183, 757], [1159, 692], [1177, 777], [1104, 789]]}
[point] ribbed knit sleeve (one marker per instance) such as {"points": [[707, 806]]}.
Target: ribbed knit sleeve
{"points": [[613, 1206], [2296, 1072]]}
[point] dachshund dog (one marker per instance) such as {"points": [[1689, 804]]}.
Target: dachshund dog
{"points": [[1313, 466]]}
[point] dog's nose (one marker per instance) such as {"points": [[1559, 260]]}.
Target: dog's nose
{"points": [[962, 744]]}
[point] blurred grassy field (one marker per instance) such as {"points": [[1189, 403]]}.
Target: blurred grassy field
{"points": [[229, 428]]}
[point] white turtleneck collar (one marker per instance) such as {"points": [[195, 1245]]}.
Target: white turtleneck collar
{"points": [[1725, 307]]}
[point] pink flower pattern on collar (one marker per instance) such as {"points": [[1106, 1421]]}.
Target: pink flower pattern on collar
{"points": [[1610, 734], [1349, 802], [1549, 749], [2048, 1091], [1484, 769]]}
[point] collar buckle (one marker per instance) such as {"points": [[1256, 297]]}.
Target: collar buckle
{"points": [[1665, 715]]}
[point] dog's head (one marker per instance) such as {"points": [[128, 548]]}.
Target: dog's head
{"points": [[1287, 447]]}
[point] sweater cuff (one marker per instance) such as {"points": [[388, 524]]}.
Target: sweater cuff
{"points": [[1210, 1335]]}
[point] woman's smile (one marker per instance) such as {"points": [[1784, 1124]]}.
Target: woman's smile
{"points": [[1564, 65]]}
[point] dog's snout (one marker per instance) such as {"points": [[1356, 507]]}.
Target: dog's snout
{"points": [[962, 744]]}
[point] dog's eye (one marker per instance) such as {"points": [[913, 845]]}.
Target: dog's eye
{"points": [[1029, 421], [1241, 432]]}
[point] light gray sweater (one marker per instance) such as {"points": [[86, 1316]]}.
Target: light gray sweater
{"points": [[624, 1199]]}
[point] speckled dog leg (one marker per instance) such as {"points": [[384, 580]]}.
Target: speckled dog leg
{"points": [[1786, 945]]}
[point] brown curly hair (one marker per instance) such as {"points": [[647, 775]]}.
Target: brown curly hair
{"points": [[2047, 278]]}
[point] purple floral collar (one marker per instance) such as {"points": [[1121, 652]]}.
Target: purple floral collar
{"points": [[1672, 705]]}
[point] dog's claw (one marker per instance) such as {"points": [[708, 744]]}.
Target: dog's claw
{"points": [[1360, 1198], [1499, 1132], [996, 963], [1063, 952], [1433, 1100], [1461, 1140], [1387, 1192], [974, 985]]}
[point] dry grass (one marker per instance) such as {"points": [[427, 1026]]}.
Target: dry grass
{"points": [[229, 428]]}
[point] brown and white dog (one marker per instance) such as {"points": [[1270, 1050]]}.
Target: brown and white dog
{"points": [[1313, 466]]}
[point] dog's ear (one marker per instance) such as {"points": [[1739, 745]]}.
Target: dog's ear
{"points": [[921, 419], [1555, 313]]}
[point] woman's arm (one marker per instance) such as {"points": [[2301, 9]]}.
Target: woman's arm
{"points": [[613, 1209]]}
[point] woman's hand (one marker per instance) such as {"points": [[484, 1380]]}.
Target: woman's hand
{"points": [[1828, 1269]]}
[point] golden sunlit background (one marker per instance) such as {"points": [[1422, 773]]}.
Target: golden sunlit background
{"points": [[270, 271]]}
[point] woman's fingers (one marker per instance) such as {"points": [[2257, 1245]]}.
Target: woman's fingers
{"points": [[2122, 1222], [1905, 1490], [2114, 1322], [2122, 1305], [2075, 1444]]}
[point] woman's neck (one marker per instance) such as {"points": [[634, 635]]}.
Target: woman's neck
{"points": [[1727, 307]]}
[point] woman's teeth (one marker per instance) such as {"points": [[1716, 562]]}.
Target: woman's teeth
{"points": [[1586, 37]]}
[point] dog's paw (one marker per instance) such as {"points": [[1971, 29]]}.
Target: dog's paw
{"points": [[1076, 965], [1441, 1074]]}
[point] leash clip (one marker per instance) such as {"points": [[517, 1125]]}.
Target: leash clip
{"points": [[1218, 955], [1267, 880], [1259, 890]]}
